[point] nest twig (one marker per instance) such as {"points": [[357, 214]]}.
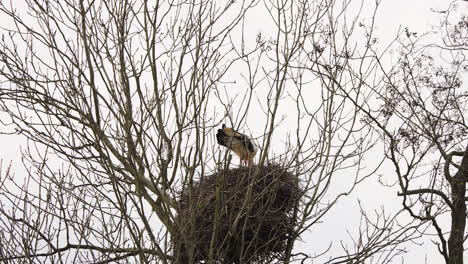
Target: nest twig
{"points": [[240, 215]]}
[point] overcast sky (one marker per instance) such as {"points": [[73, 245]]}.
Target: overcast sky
{"points": [[417, 15]]}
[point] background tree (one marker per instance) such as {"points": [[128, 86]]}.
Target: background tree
{"points": [[420, 111], [119, 101]]}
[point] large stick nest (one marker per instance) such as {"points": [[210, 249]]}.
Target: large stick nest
{"points": [[243, 214]]}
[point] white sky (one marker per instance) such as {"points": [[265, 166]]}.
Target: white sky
{"points": [[415, 14]]}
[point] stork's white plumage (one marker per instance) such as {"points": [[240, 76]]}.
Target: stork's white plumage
{"points": [[239, 143]]}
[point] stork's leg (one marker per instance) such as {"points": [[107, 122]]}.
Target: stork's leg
{"points": [[244, 162]]}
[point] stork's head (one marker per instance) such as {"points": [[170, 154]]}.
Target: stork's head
{"points": [[222, 135]]}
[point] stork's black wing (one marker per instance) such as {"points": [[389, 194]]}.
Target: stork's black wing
{"points": [[246, 142]]}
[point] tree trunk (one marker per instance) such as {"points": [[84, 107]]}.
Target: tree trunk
{"points": [[458, 185], [455, 241]]}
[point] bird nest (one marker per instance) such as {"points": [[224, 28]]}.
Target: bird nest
{"points": [[237, 215]]}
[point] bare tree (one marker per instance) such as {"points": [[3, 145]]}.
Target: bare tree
{"points": [[420, 110], [119, 101]]}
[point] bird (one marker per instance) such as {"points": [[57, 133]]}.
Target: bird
{"points": [[239, 143]]}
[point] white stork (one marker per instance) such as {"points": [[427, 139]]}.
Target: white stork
{"points": [[239, 143]]}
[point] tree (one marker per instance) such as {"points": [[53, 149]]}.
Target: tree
{"points": [[420, 111], [120, 101]]}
